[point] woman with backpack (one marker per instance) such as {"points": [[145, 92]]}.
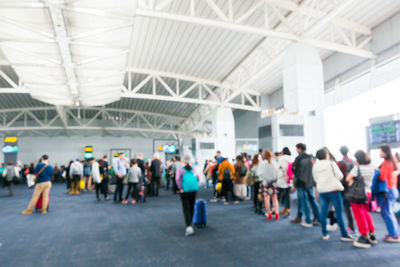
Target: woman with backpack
{"points": [[187, 180], [283, 180], [388, 173], [365, 171], [239, 188], [267, 171]]}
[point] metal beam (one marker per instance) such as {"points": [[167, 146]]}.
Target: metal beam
{"points": [[259, 30], [60, 29]]}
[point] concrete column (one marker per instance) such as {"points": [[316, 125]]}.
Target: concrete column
{"points": [[224, 131], [303, 91]]}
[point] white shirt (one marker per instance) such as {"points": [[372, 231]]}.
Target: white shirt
{"points": [[96, 172], [267, 172], [327, 176], [283, 164]]}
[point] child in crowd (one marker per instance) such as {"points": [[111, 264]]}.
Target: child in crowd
{"points": [[134, 176]]}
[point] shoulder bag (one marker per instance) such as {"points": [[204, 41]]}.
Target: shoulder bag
{"points": [[356, 192]]}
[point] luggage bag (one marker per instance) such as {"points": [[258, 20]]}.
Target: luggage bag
{"points": [[200, 214]]}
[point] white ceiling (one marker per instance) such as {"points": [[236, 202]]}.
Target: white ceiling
{"points": [[87, 65]]}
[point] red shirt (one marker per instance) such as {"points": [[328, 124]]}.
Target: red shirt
{"points": [[387, 170]]}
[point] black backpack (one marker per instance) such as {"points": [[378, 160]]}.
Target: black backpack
{"points": [[243, 171], [227, 175]]}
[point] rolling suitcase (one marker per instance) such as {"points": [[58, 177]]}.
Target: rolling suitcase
{"points": [[200, 214], [39, 203]]}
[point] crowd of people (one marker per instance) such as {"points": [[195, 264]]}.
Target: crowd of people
{"points": [[326, 188]]}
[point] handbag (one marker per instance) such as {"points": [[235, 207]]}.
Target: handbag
{"points": [[356, 192]]}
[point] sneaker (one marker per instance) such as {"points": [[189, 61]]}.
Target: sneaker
{"points": [[372, 239], [362, 242], [133, 202], [392, 239], [124, 202], [277, 216], [304, 224], [268, 216], [347, 239], [325, 237], [332, 228], [213, 200], [296, 220], [44, 211], [236, 202], [189, 231], [223, 200], [316, 222], [226, 202]]}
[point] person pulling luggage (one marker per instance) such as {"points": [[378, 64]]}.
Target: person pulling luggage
{"points": [[44, 172], [187, 180]]}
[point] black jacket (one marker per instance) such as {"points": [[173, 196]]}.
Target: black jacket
{"points": [[302, 169], [155, 168], [141, 166]]}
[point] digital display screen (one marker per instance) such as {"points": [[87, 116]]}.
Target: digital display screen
{"points": [[10, 149], [169, 149], [88, 155], [384, 133]]}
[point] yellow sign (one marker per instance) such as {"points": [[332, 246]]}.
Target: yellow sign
{"points": [[116, 154], [88, 149], [11, 139], [160, 148]]}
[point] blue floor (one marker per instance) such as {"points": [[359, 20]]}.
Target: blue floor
{"points": [[79, 231]]}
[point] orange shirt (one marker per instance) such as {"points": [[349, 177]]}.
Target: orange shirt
{"points": [[225, 165], [387, 170]]}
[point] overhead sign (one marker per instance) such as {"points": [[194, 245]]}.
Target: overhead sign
{"points": [[10, 139], [88, 149]]}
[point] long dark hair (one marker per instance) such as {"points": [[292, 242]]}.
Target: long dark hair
{"points": [[389, 156]]}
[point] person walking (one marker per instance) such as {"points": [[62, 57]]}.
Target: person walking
{"points": [[9, 174], [304, 184], [267, 171], [187, 180], [134, 176], [365, 171], [283, 180], [388, 173], [156, 170], [44, 172], [328, 176], [76, 174]]}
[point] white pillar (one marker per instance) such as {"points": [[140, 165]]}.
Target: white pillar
{"points": [[303, 90], [224, 131]]}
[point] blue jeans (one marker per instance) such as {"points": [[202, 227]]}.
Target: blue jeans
{"points": [[306, 195], [387, 212], [337, 202]]}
